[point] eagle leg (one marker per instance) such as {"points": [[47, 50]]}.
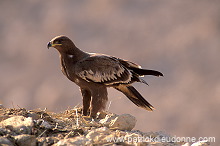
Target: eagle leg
{"points": [[86, 94], [99, 100]]}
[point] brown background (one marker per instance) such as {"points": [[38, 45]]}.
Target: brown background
{"points": [[179, 38]]}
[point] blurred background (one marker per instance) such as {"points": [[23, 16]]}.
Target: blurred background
{"points": [[179, 38]]}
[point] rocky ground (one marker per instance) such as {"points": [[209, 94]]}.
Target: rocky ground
{"points": [[21, 127]]}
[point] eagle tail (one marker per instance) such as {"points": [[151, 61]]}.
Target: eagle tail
{"points": [[135, 96], [141, 71]]}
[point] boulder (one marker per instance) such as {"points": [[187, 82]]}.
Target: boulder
{"points": [[123, 122], [18, 124], [25, 140]]}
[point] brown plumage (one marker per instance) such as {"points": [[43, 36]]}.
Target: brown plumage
{"points": [[93, 73]]}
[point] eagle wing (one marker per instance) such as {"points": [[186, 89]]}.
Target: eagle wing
{"points": [[102, 69]]}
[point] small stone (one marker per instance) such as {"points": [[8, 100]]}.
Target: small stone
{"points": [[1, 106], [46, 125], [5, 142], [25, 140], [96, 132], [51, 140], [4, 131], [79, 140], [4, 117], [134, 138], [33, 115], [107, 120], [41, 141], [18, 124], [101, 115], [201, 143], [98, 135], [123, 122]]}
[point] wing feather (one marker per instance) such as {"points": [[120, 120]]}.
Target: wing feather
{"points": [[102, 69]]}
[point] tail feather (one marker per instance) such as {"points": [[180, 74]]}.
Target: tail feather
{"points": [[141, 71], [136, 68], [135, 97]]}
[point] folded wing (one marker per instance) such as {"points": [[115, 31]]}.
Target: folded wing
{"points": [[102, 69]]}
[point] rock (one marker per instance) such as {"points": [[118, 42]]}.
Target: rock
{"points": [[102, 114], [22, 127], [18, 124], [107, 119], [4, 117], [45, 125], [134, 138], [41, 141], [97, 135], [79, 140], [4, 131], [100, 135], [123, 122], [25, 140], [201, 143], [5, 142], [33, 115], [1, 106], [92, 123], [2, 113], [45, 141], [52, 140]]}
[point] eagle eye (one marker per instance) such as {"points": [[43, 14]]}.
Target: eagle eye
{"points": [[58, 42]]}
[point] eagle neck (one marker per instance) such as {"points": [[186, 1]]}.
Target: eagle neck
{"points": [[73, 54]]}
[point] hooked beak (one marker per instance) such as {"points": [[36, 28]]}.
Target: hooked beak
{"points": [[49, 45]]}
